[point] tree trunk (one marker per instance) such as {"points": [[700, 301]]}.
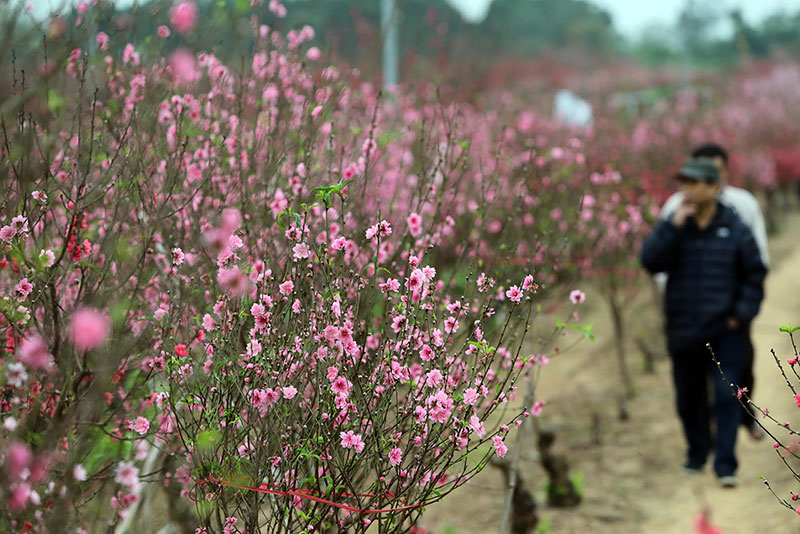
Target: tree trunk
{"points": [[561, 492], [619, 341], [523, 505]]}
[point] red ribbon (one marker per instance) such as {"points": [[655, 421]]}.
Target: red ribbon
{"points": [[306, 494]]}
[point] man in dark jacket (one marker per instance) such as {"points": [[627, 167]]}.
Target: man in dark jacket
{"points": [[714, 290]]}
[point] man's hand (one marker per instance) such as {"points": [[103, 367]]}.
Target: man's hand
{"points": [[684, 211]]}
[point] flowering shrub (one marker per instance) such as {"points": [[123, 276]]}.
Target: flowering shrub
{"points": [[192, 298]]}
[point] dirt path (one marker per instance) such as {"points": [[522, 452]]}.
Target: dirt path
{"points": [[630, 478]]}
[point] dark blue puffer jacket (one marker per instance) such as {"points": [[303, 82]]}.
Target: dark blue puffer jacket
{"points": [[714, 274]]}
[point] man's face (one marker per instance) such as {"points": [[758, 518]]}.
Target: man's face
{"points": [[698, 192], [723, 171]]}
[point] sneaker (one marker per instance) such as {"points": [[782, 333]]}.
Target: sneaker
{"points": [[691, 470], [728, 481]]}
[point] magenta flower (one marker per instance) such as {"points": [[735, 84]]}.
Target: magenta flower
{"points": [[88, 329], [395, 457]]}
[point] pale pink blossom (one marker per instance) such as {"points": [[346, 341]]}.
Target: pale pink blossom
{"points": [[499, 447], [183, 17], [140, 425], [313, 53], [127, 475], [395, 457], [470, 396], [286, 288], [352, 440], [514, 294], [476, 426], [79, 473], [300, 251], [88, 329], [33, 353], [577, 296]]}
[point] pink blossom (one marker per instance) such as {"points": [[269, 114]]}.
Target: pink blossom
{"points": [[163, 32], [289, 392], [19, 497], [426, 353], [102, 41], [208, 322], [183, 17], [499, 447], [797, 400], [415, 280], [740, 392], [88, 329], [333, 372], [395, 457], [313, 53], [577, 296], [536, 410], [476, 426], [141, 425], [233, 281], [128, 475], [529, 285], [177, 256], [33, 353], [286, 288], [15, 374], [514, 294], [300, 251], [183, 65], [470, 396], [352, 440], [79, 473], [7, 233], [18, 459], [340, 386]]}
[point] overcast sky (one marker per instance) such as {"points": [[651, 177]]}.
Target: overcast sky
{"points": [[631, 17]]}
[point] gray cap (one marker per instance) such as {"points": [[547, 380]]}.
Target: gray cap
{"points": [[701, 170]]}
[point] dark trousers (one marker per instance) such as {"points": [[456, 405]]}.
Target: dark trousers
{"points": [[747, 381], [691, 368]]}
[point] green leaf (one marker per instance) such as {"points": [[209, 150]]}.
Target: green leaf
{"points": [[54, 102], [207, 439]]}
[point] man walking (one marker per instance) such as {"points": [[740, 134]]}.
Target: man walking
{"points": [[714, 288], [746, 207]]}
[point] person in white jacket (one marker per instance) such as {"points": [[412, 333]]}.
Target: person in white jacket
{"points": [[746, 206]]}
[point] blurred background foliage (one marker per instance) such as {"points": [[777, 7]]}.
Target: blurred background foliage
{"points": [[549, 40]]}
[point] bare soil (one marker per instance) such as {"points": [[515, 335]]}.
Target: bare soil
{"points": [[630, 479]]}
